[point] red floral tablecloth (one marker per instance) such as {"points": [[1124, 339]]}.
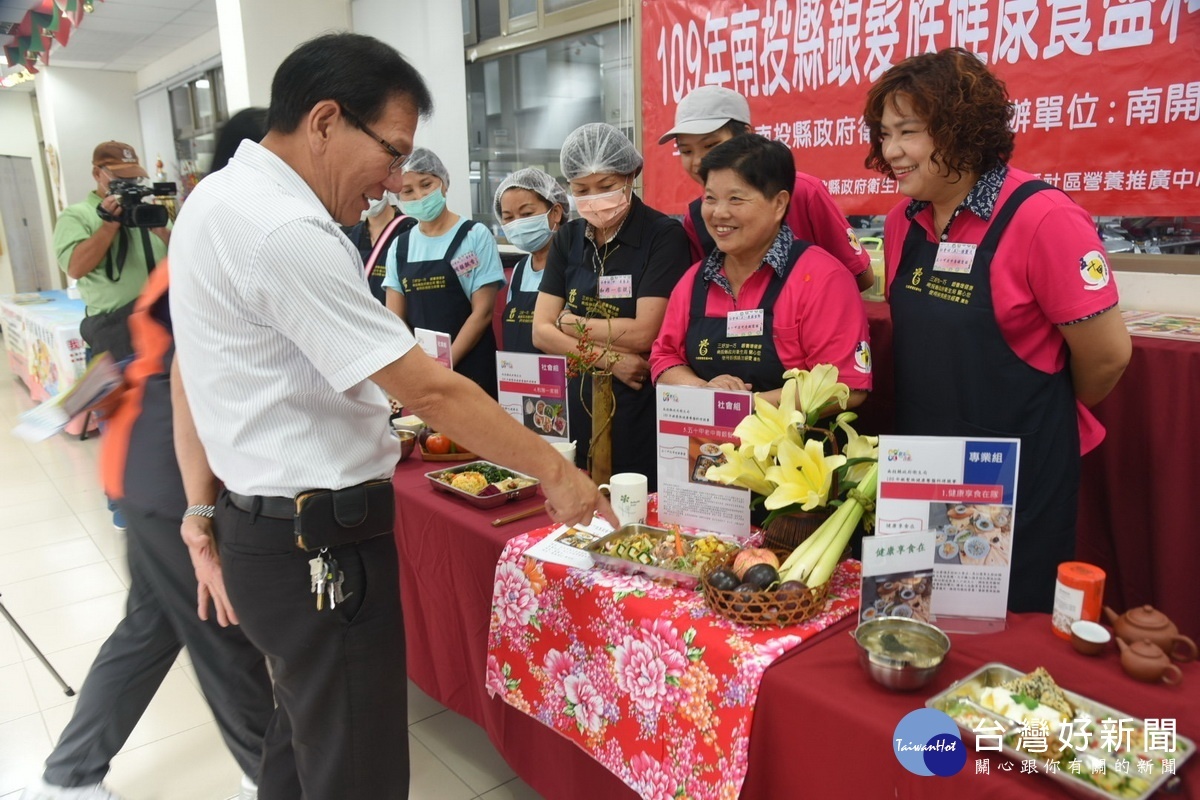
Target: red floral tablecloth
{"points": [[643, 677]]}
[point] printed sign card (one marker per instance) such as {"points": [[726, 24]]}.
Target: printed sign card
{"points": [[693, 423], [533, 390], [897, 576], [964, 491], [436, 345]]}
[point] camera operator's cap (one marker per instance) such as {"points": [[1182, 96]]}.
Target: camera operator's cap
{"points": [[706, 109], [118, 158]]}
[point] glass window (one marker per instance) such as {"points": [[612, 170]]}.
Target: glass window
{"points": [[519, 8], [521, 106], [562, 5]]}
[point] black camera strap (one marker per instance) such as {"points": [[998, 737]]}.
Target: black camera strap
{"points": [[114, 274]]}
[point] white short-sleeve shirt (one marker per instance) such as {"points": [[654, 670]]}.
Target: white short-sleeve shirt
{"points": [[277, 334]]}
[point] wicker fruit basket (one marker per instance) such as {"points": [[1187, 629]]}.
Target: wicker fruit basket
{"points": [[763, 609]]}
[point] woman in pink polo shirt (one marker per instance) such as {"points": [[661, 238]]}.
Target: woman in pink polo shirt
{"points": [[710, 115], [764, 301], [1004, 308]]}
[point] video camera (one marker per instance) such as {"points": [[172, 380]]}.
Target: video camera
{"points": [[135, 213]]}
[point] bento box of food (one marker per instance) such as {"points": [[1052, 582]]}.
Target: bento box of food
{"points": [[1092, 749], [483, 484], [657, 553]]}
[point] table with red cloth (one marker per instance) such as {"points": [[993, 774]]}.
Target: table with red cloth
{"points": [[1135, 520], [642, 676], [821, 727]]}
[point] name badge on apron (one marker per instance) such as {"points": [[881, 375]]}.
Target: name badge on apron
{"points": [[613, 287], [954, 257], [744, 323], [464, 263]]}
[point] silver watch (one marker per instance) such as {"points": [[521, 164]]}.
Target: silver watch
{"points": [[200, 511]]}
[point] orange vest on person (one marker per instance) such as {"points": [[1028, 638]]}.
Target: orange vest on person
{"points": [[151, 343]]}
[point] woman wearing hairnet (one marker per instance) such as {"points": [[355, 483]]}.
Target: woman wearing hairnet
{"points": [[607, 280], [373, 236], [443, 275], [531, 206]]}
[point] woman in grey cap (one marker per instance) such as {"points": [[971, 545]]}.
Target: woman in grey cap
{"points": [[530, 206], [710, 115], [443, 275], [605, 289]]}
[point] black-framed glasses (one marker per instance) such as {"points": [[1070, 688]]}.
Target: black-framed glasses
{"points": [[398, 158]]}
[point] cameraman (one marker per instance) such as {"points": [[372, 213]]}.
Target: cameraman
{"points": [[109, 260]]}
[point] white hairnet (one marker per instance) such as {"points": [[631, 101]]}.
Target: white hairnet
{"points": [[598, 147], [536, 181], [426, 161]]}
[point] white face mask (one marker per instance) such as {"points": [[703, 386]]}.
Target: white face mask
{"points": [[377, 206]]}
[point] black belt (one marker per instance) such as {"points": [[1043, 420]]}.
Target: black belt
{"points": [[273, 507]]}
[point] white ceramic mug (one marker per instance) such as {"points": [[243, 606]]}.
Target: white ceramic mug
{"points": [[627, 492], [566, 448]]}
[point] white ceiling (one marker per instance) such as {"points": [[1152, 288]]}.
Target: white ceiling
{"points": [[126, 35]]}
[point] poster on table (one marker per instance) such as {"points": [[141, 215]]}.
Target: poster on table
{"points": [[964, 490], [693, 423], [1162, 326], [1085, 79], [436, 345], [532, 388]]}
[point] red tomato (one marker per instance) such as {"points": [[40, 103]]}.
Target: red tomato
{"points": [[438, 444]]}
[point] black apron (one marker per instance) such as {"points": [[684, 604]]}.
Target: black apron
{"points": [[754, 359], [517, 327], [634, 423], [435, 300], [957, 376], [707, 243]]}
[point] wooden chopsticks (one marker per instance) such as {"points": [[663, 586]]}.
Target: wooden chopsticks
{"points": [[529, 512]]}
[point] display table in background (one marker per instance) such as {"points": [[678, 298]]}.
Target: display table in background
{"points": [[821, 727], [1135, 521], [41, 336]]}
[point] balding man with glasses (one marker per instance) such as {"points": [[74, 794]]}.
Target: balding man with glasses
{"points": [[285, 357]]}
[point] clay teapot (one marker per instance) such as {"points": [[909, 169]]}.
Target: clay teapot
{"points": [[1143, 660], [1146, 622]]}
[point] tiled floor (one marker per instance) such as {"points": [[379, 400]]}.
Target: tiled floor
{"points": [[63, 578]]}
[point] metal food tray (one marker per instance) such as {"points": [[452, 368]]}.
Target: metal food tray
{"points": [[683, 580], [995, 674], [490, 501]]}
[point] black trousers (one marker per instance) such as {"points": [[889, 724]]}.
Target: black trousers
{"points": [[340, 729], [160, 618]]}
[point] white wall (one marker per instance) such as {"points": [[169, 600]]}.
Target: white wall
{"points": [[87, 107], [158, 134], [257, 35], [429, 35], [19, 138], [189, 58]]}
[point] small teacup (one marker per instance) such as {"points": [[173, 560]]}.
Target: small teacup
{"points": [[1089, 638]]}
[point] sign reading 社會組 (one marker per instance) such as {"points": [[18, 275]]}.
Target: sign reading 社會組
{"points": [[1106, 94]]}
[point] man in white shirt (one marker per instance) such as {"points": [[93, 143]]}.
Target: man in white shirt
{"points": [[285, 357]]}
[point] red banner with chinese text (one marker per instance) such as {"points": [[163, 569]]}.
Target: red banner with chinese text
{"points": [[1107, 92]]}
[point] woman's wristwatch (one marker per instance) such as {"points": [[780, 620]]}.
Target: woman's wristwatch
{"points": [[561, 316]]}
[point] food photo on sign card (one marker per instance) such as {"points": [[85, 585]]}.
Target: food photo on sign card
{"points": [[702, 454]]}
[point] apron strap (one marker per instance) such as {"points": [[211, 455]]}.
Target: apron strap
{"points": [[381, 242], [459, 236], [707, 243], [1001, 219], [777, 281]]}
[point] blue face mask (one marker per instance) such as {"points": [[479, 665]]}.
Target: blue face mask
{"points": [[529, 233], [428, 208]]}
